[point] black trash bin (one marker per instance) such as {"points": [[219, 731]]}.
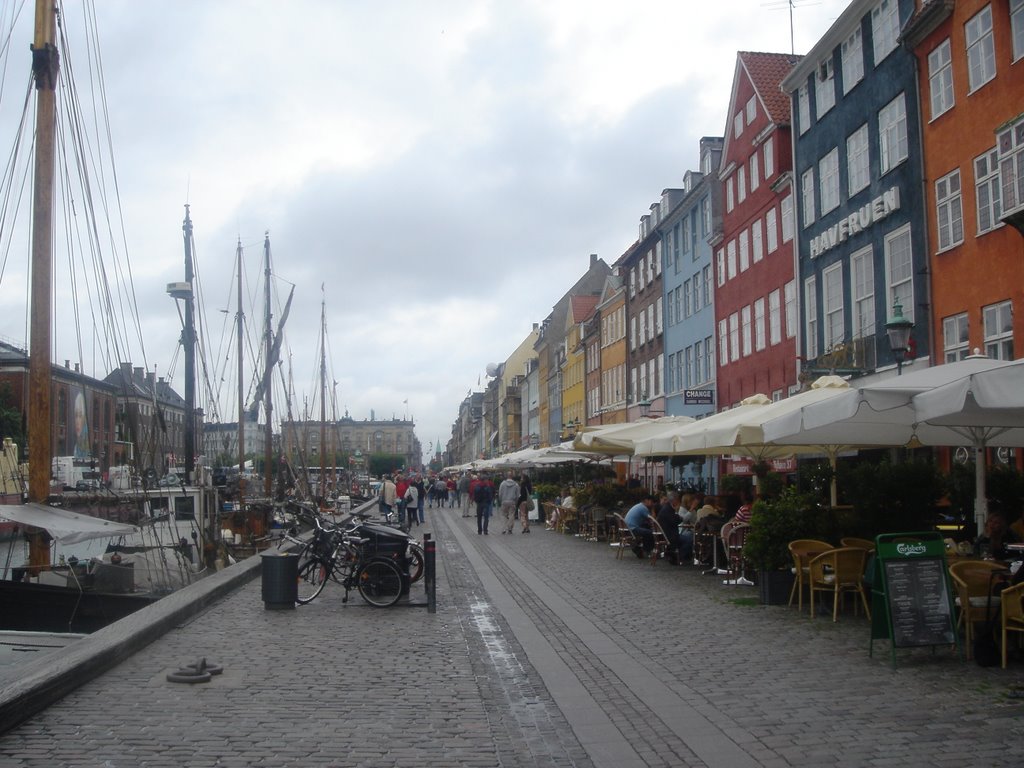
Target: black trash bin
{"points": [[280, 579], [390, 543]]}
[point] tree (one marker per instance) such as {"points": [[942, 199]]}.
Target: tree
{"points": [[10, 417]]}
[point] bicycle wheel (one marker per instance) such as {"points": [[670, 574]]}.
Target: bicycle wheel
{"points": [[312, 577], [345, 559], [380, 583], [415, 555]]}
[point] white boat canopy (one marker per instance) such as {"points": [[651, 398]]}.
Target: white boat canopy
{"points": [[66, 527]]}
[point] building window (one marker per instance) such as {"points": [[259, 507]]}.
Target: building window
{"points": [[741, 184], [892, 133], [828, 178], [706, 285], [900, 270], [745, 324], [955, 338], [695, 292], [755, 180], [832, 301], [853, 61], [723, 340], [705, 216], [759, 340], [737, 125], [772, 227], [981, 54], [885, 28], [756, 241], [730, 250], [950, 210], [824, 88], [811, 318], [687, 308], [709, 359], [998, 325], [1011, 166], [1017, 27], [769, 156], [734, 337], [685, 245], [803, 103], [774, 317], [720, 266], [790, 294], [787, 218], [862, 277], [807, 196], [940, 78], [751, 110], [986, 189], [730, 194], [744, 250], [857, 161]]}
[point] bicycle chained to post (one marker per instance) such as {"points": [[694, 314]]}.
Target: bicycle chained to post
{"points": [[335, 553]]}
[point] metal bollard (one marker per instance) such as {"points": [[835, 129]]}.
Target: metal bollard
{"points": [[429, 564]]}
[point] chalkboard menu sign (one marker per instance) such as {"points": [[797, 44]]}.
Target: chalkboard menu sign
{"points": [[911, 597]]}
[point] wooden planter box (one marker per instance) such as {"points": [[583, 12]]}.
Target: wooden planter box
{"points": [[774, 586]]}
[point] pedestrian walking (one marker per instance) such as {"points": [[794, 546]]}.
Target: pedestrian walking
{"points": [[508, 498], [525, 501], [465, 489], [483, 495]]}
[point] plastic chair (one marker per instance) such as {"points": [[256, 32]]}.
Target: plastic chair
{"points": [[803, 551], [838, 571], [972, 580], [1012, 610]]}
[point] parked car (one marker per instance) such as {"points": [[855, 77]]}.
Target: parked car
{"points": [[87, 485]]}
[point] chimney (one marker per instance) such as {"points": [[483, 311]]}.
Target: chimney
{"points": [[138, 373], [150, 378], [593, 259], [76, 368], [126, 369], [67, 363]]}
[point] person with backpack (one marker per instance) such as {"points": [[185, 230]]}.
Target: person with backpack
{"points": [[412, 496], [483, 495]]}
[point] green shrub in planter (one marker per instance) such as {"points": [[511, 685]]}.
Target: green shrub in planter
{"points": [[776, 522]]}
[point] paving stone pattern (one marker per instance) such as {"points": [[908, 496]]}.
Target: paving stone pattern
{"points": [[545, 651]]}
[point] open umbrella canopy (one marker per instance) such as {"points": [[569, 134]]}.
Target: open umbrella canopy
{"points": [[665, 443], [621, 439]]}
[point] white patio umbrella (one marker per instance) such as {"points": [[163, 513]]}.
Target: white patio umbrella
{"points": [[882, 414], [621, 439], [985, 407], [664, 444]]}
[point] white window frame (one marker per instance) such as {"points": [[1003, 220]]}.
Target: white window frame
{"points": [[730, 258], [803, 101], [755, 180], [981, 52], [1010, 142], [774, 317], [810, 318], [853, 60], [737, 124], [730, 193], [885, 28], [723, 340], [734, 337], [833, 305], [807, 196], [720, 267], [789, 294], [771, 226], [940, 79], [741, 184], [955, 337], [759, 318], [1017, 28], [707, 286], [949, 210], [786, 217], [997, 325], [824, 87], [987, 190], [744, 247], [751, 110], [756, 241], [858, 161], [828, 180], [892, 133], [746, 330], [768, 150], [899, 275], [862, 292]]}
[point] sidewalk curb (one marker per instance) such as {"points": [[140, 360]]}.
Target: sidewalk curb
{"points": [[30, 688]]}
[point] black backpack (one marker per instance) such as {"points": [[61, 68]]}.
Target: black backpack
{"points": [[482, 494]]}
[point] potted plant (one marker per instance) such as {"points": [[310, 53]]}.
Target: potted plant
{"points": [[773, 524]]}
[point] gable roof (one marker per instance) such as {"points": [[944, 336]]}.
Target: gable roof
{"points": [[582, 307], [766, 72]]}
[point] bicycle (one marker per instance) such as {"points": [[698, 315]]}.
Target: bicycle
{"points": [[333, 554], [414, 549]]}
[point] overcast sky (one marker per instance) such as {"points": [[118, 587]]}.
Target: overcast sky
{"points": [[443, 167]]}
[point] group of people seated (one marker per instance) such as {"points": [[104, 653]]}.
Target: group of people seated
{"points": [[683, 517]]}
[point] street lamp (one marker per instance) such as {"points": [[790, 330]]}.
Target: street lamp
{"points": [[898, 330], [645, 407]]}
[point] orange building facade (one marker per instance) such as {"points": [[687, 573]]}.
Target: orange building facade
{"points": [[970, 57]]}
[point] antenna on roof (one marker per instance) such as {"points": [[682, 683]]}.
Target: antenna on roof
{"points": [[778, 5]]}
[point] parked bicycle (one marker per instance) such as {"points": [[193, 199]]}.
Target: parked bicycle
{"points": [[414, 549], [334, 554]]}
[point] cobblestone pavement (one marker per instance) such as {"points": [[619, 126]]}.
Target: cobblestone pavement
{"points": [[545, 651]]}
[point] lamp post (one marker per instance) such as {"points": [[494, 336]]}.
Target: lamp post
{"points": [[898, 330], [645, 407]]}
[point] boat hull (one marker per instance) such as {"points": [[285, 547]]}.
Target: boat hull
{"points": [[49, 608]]}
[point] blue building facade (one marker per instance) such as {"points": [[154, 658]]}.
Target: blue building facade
{"points": [[862, 253]]}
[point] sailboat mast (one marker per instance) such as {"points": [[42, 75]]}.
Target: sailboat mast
{"points": [[323, 401], [241, 383], [45, 69], [268, 438], [189, 340]]}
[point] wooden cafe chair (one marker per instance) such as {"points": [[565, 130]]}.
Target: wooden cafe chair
{"points": [[972, 581], [1012, 610], [802, 551], [838, 571]]}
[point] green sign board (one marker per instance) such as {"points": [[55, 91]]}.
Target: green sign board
{"points": [[911, 597]]}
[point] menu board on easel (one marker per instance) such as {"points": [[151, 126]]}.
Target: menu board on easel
{"points": [[912, 603]]}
